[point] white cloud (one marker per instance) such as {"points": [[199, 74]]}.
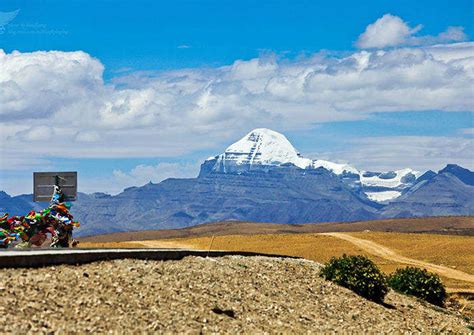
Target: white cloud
{"points": [[39, 84], [417, 152], [113, 184], [39, 133], [87, 136], [22, 183], [452, 34], [391, 31], [56, 104], [467, 131], [142, 174]]}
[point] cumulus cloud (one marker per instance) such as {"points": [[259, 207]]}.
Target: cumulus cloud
{"points": [[417, 152], [40, 133], [142, 174], [39, 84], [87, 136], [115, 183], [391, 31], [56, 104]]}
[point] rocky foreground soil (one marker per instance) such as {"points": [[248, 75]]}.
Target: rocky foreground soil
{"points": [[225, 295]]}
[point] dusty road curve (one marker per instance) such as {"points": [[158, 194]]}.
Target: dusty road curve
{"points": [[387, 253], [162, 244]]}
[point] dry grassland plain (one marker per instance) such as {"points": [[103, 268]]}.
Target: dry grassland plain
{"points": [[456, 252]]}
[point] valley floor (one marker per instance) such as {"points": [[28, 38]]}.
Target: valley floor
{"points": [[452, 257]]}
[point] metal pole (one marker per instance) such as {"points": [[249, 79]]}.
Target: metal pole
{"points": [[210, 246]]}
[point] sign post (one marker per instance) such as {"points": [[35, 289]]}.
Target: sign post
{"points": [[48, 185]]}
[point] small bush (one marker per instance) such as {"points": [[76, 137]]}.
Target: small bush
{"points": [[419, 283], [357, 273]]}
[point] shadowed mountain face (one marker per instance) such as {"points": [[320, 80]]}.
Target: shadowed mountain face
{"points": [[464, 175], [262, 178], [449, 192], [283, 195], [19, 205]]}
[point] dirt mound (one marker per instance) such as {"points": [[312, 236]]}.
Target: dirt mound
{"points": [[228, 295]]}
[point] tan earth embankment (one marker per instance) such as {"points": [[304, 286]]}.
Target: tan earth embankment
{"points": [[199, 295]]}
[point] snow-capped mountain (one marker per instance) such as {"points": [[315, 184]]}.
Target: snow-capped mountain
{"points": [[263, 178], [258, 149], [264, 147], [261, 149]]}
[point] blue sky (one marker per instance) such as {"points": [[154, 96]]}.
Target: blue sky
{"points": [[145, 45], [145, 35]]}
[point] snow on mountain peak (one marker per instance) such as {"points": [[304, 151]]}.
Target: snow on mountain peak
{"points": [[265, 147], [336, 168]]}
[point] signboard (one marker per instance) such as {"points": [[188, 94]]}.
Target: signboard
{"points": [[44, 183]]}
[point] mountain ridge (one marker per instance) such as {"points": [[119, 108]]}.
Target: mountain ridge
{"points": [[251, 182]]}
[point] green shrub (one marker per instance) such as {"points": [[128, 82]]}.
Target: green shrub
{"points": [[357, 273], [419, 283]]}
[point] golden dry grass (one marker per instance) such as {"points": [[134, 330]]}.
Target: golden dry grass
{"points": [[107, 245], [451, 251], [310, 246]]}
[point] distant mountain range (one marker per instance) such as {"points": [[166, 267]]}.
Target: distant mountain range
{"points": [[263, 178]]}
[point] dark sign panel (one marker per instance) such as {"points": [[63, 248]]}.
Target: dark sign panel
{"points": [[44, 183]]}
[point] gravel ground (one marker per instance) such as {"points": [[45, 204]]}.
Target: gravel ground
{"points": [[198, 295]]}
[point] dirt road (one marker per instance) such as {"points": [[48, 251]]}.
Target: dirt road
{"points": [[162, 244], [387, 253]]}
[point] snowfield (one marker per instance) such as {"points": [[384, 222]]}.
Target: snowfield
{"points": [[265, 147], [383, 196]]}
